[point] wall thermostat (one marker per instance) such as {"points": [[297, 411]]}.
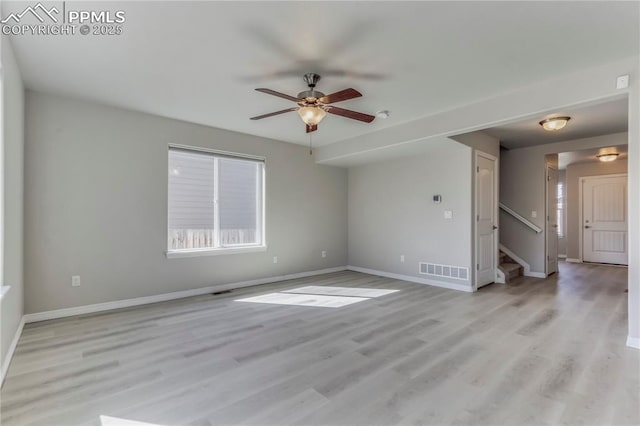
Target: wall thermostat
{"points": [[437, 199]]}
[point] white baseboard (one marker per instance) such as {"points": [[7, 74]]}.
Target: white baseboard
{"points": [[435, 283], [572, 260], [633, 342], [562, 256], [527, 268], [535, 274], [118, 304], [12, 349]]}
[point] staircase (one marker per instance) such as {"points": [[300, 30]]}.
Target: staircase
{"points": [[510, 268]]}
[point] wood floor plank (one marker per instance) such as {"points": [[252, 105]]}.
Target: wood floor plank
{"points": [[536, 352]]}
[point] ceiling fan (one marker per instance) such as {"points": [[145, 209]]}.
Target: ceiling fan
{"points": [[313, 106]]}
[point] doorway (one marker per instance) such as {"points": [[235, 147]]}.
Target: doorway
{"points": [[604, 219], [486, 207]]}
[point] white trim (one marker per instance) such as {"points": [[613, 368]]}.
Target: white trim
{"points": [[572, 260], [521, 218], [525, 265], [547, 209], [118, 304], [562, 256], [176, 254], [409, 278], [535, 274], [633, 342], [496, 214], [12, 349]]}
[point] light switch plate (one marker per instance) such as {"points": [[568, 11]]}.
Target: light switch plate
{"points": [[622, 82], [448, 214], [534, 214]]}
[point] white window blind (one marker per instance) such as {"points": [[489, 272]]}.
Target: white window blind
{"points": [[215, 201]]}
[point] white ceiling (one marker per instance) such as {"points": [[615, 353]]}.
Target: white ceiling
{"points": [[589, 155], [587, 121], [200, 61]]}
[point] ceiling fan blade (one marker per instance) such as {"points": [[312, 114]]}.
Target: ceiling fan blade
{"points": [[340, 96], [312, 128], [271, 114], [350, 114], [278, 94]]}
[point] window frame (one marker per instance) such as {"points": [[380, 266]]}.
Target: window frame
{"points": [[561, 205], [219, 249]]}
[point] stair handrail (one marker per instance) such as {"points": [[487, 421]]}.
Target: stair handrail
{"points": [[521, 218]]}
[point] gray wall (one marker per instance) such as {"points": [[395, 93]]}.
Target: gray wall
{"points": [[96, 206], [391, 212], [574, 173], [11, 306], [522, 187]]}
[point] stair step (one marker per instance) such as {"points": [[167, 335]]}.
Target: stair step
{"points": [[511, 270], [508, 267]]}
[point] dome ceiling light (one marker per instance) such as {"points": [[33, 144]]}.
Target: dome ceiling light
{"points": [[554, 123]]}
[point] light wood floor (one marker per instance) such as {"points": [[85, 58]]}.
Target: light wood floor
{"points": [[541, 352]]}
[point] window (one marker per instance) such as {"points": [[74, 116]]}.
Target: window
{"points": [[560, 210], [215, 202]]}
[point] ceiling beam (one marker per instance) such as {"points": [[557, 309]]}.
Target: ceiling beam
{"points": [[591, 85]]}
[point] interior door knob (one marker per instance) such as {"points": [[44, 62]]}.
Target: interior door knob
{"points": [[495, 227], [587, 227]]}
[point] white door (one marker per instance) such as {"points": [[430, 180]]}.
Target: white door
{"points": [[486, 219], [604, 216], [552, 220]]}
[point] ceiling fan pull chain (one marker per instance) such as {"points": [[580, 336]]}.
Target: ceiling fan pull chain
{"points": [[310, 144]]}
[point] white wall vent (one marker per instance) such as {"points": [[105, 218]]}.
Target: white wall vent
{"points": [[447, 271]]}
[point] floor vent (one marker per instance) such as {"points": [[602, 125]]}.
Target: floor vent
{"points": [[447, 271]]}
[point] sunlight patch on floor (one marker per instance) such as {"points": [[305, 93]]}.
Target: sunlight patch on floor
{"points": [[115, 421], [322, 296], [304, 300], [341, 291]]}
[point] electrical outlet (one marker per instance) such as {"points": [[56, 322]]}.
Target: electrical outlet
{"points": [[534, 214], [448, 214], [402, 258], [324, 253], [275, 259], [75, 281]]}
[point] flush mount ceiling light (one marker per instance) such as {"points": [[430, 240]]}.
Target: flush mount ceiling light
{"points": [[554, 123], [609, 156]]}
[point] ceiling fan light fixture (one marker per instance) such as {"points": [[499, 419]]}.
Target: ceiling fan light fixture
{"points": [[607, 156], [554, 123], [311, 115]]}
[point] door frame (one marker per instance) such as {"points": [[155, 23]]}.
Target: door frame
{"points": [[581, 206], [546, 215], [474, 221]]}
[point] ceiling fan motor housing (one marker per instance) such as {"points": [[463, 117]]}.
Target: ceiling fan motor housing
{"points": [[311, 95], [311, 79]]}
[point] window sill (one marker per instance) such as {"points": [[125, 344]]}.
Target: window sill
{"points": [[175, 254]]}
